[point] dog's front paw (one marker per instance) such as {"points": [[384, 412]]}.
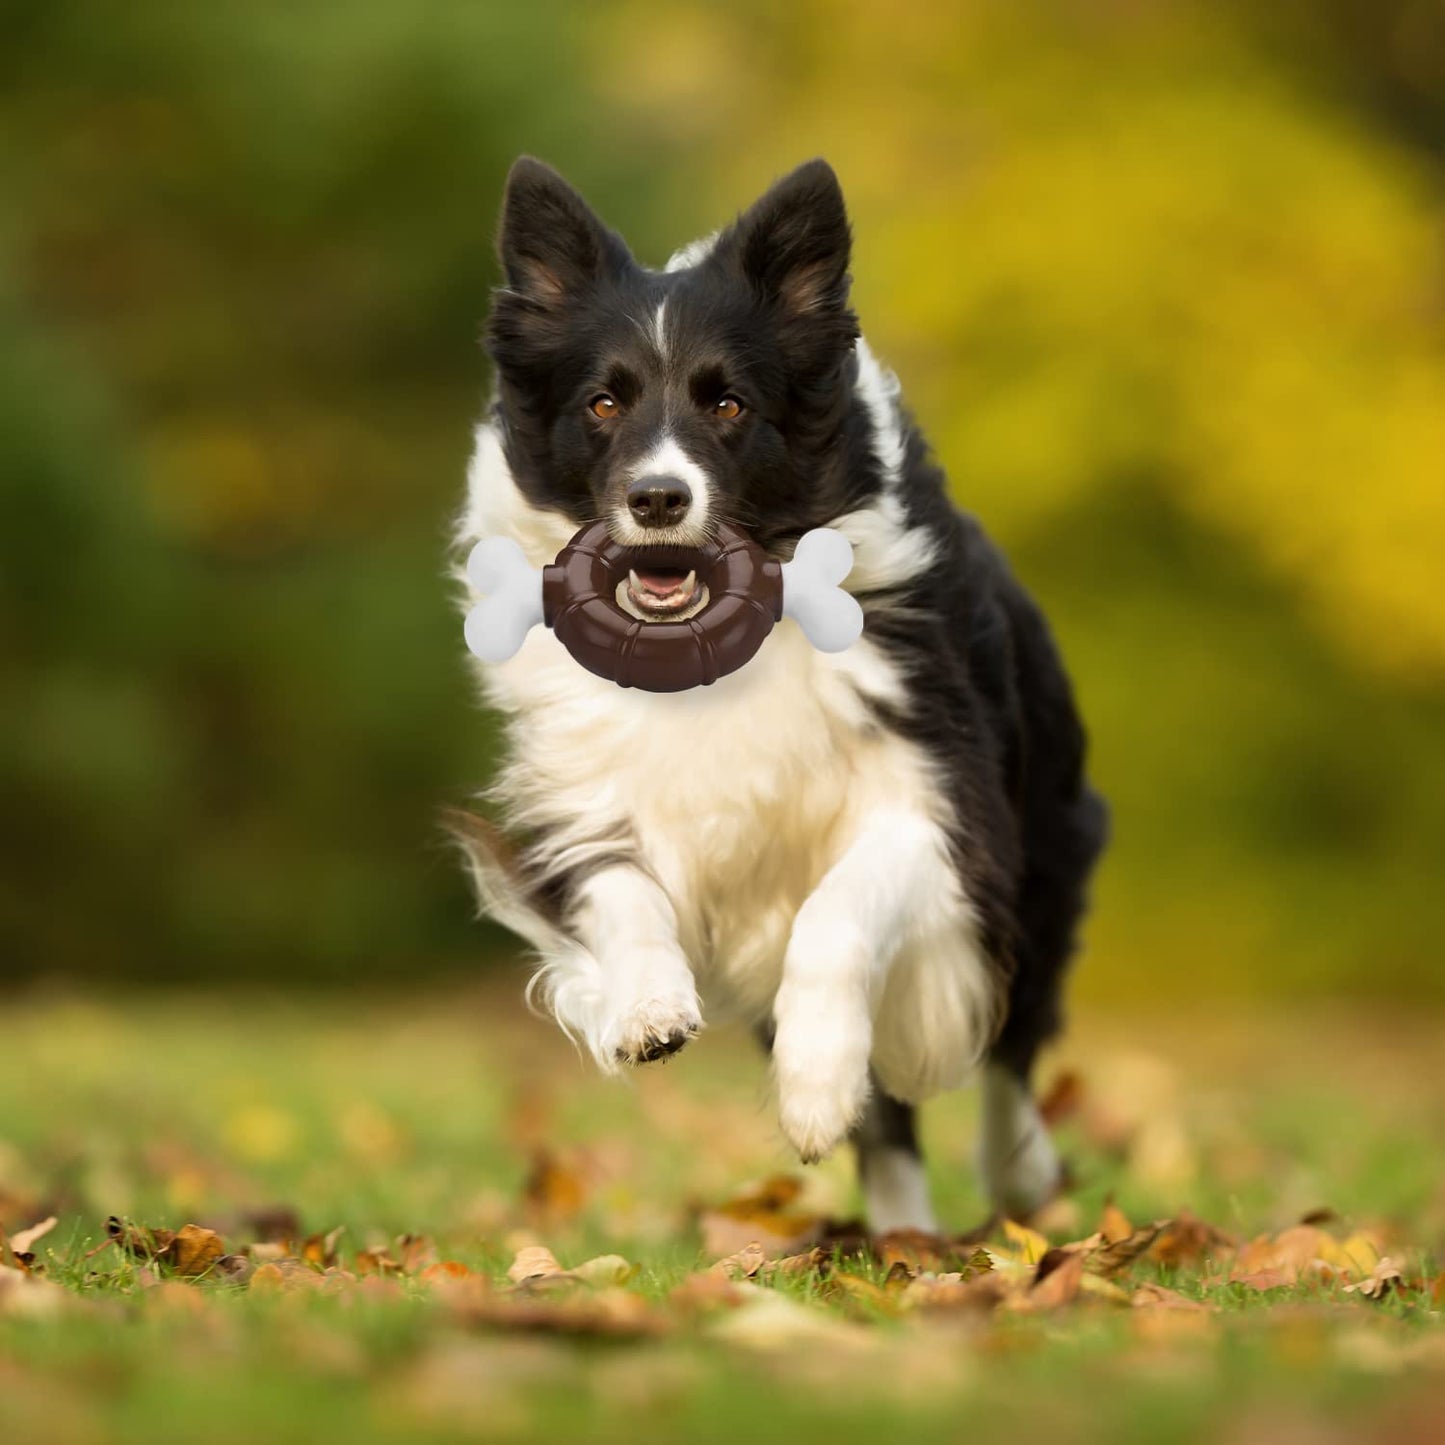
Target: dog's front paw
{"points": [[820, 1055], [657, 1028], [816, 1114]]}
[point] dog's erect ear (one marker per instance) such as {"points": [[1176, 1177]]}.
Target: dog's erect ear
{"points": [[550, 242], [793, 244]]}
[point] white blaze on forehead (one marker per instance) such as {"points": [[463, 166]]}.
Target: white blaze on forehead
{"points": [[659, 328]]}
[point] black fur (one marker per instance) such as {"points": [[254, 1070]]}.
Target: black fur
{"points": [[765, 317]]}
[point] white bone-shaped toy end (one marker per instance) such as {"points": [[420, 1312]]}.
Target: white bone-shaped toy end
{"points": [[511, 604], [831, 618]]}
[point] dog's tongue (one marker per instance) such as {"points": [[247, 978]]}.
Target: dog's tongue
{"points": [[660, 581]]}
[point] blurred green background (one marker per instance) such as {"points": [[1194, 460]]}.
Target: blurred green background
{"points": [[1165, 283]]}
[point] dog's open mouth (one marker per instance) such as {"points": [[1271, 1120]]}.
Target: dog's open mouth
{"points": [[661, 592]]}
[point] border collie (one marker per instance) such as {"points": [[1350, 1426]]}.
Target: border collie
{"points": [[878, 858]]}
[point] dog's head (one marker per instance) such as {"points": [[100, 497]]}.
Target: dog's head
{"points": [[666, 402]]}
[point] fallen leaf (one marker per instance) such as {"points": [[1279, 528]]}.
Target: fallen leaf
{"points": [[320, 1249], [1150, 1296], [765, 1215], [1186, 1238], [23, 1241], [1062, 1099], [445, 1269], [555, 1191], [955, 1292], [376, 1261], [414, 1252], [1265, 1279], [1382, 1280], [1114, 1223], [744, 1264], [606, 1269], [533, 1262], [284, 1276], [1059, 1284], [810, 1261], [1028, 1246], [1109, 1259], [923, 1253], [193, 1250]]}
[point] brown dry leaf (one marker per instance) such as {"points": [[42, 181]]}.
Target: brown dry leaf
{"points": [[1269, 1261], [764, 1215], [1437, 1292], [1111, 1258], [235, 1268], [604, 1270], [1114, 1223], [1062, 1099], [1186, 1238], [922, 1253], [533, 1262], [193, 1250], [810, 1261], [744, 1264], [1382, 1280], [606, 1312], [320, 1249], [447, 1270], [710, 1290], [1150, 1296], [376, 1261], [414, 1252], [285, 1276], [556, 1190], [955, 1291], [136, 1240], [1057, 1285], [23, 1241], [855, 1290]]}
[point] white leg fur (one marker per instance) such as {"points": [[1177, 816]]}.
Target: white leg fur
{"points": [[1020, 1167], [895, 1190], [627, 992], [843, 940]]}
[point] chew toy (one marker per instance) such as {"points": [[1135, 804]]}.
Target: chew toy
{"points": [[576, 596]]}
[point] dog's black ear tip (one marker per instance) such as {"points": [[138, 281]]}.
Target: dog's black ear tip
{"points": [[817, 178], [530, 173]]}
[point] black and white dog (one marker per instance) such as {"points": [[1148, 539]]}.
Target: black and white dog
{"points": [[879, 857]]}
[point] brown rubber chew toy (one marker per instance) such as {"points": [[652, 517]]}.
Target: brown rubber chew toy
{"points": [[579, 604], [576, 596]]}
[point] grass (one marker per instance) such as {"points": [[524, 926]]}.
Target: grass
{"points": [[428, 1115]]}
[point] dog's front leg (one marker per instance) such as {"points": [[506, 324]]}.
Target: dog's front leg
{"points": [[844, 938], [629, 996]]}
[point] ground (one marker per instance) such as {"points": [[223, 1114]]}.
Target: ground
{"points": [[465, 1148]]}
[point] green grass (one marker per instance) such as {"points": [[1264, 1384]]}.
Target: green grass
{"points": [[423, 1115]]}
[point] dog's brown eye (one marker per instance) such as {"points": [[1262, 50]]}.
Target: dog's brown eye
{"points": [[728, 408], [604, 406]]}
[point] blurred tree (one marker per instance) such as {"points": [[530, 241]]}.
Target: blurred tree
{"points": [[1163, 282]]}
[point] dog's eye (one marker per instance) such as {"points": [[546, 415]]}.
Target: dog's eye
{"points": [[728, 408], [604, 406]]}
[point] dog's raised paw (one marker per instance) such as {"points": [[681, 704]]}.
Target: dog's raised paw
{"points": [[657, 1030]]}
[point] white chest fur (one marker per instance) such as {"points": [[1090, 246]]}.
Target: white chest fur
{"points": [[737, 797]]}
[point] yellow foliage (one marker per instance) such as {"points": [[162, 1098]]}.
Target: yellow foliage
{"points": [[1105, 244]]}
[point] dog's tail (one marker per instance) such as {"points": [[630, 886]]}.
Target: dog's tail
{"points": [[504, 892]]}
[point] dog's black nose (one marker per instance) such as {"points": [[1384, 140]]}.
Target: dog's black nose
{"points": [[659, 501]]}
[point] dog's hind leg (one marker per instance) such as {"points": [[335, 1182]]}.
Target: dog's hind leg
{"points": [[890, 1167], [1020, 1167]]}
